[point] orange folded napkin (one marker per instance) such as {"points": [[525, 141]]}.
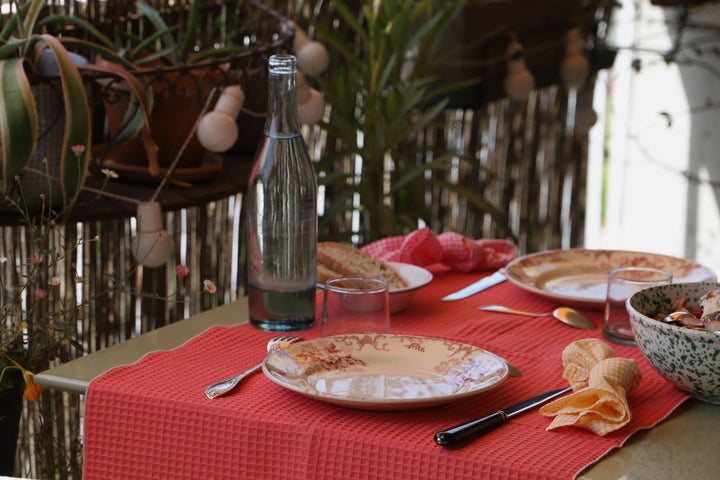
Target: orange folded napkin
{"points": [[601, 383], [423, 247]]}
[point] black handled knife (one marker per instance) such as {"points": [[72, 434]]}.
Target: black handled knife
{"points": [[452, 435]]}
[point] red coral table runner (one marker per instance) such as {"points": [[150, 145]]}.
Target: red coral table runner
{"points": [[152, 420]]}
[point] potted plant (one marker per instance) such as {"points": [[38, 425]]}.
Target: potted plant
{"points": [[23, 63], [382, 93], [180, 75], [123, 60], [180, 84]]}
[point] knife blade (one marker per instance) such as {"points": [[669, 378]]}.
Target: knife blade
{"points": [[452, 435], [478, 286]]}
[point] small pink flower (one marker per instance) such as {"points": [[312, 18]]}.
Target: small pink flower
{"points": [[78, 149], [182, 270], [40, 293], [36, 258], [209, 287]]}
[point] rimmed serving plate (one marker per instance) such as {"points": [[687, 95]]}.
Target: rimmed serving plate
{"points": [[579, 276], [416, 277], [385, 372]]}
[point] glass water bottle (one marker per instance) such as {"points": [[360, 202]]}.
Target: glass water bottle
{"points": [[282, 213]]}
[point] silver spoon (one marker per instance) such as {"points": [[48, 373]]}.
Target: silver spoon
{"points": [[224, 386], [564, 314]]}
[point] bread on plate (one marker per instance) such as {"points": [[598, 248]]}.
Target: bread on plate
{"points": [[337, 260]]}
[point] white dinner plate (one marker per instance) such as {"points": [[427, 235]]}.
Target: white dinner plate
{"points": [[579, 276], [385, 372]]}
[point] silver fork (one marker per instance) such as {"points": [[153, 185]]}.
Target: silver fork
{"points": [[224, 386]]}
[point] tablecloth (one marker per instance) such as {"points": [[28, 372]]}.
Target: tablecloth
{"points": [[152, 420]]}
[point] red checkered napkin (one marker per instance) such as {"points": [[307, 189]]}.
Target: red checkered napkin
{"points": [[423, 247], [601, 383]]}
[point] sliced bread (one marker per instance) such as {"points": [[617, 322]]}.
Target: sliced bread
{"points": [[336, 260]]}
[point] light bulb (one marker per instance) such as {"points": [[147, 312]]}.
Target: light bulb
{"points": [[312, 58], [574, 70], [300, 38], [574, 67], [152, 246], [313, 110], [519, 84], [519, 81], [231, 101], [217, 131]]}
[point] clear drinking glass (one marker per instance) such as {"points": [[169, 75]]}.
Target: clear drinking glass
{"points": [[622, 283], [356, 305]]}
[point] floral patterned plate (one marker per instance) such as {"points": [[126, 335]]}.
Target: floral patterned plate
{"points": [[385, 372], [579, 277]]}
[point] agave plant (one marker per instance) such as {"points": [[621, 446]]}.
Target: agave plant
{"points": [[20, 52]]}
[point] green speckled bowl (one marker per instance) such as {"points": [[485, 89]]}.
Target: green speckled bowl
{"points": [[688, 358]]}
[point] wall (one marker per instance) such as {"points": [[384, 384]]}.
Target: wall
{"points": [[661, 136]]}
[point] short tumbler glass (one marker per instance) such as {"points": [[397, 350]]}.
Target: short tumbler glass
{"points": [[356, 305], [622, 283]]}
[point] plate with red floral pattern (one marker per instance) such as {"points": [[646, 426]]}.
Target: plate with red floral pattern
{"points": [[385, 371], [579, 276]]}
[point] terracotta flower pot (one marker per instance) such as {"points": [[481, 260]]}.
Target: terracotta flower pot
{"points": [[11, 403], [179, 98]]}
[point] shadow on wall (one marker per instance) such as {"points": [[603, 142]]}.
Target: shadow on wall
{"points": [[695, 35]]}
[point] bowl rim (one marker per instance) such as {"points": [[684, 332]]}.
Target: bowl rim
{"points": [[641, 317], [427, 276]]}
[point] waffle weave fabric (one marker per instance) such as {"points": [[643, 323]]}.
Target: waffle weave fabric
{"points": [[152, 420]]}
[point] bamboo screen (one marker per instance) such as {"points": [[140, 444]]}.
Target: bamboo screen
{"points": [[530, 166], [530, 163]]}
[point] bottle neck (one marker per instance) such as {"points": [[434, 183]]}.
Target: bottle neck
{"points": [[282, 114]]}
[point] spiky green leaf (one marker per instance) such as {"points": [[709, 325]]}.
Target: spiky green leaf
{"points": [[32, 15], [144, 44], [154, 17], [18, 119], [73, 165], [189, 40], [141, 103], [12, 48], [83, 24], [11, 25], [111, 55]]}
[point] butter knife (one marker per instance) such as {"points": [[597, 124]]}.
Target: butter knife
{"points": [[452, 435], [478, 286]]}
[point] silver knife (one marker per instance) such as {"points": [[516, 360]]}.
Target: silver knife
{"points": [[452, 435], [478, 286]]}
